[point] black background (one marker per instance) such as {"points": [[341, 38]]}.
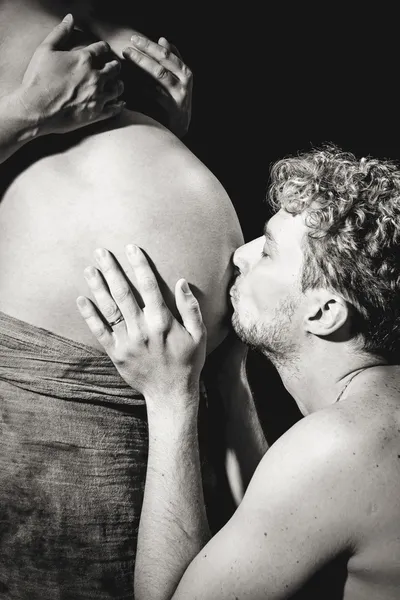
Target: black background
{"points": [[272, 80]]}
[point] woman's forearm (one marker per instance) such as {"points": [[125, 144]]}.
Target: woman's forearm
{"points": [[18, 125]]}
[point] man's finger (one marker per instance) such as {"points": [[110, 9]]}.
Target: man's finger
{"points": [[95, 323], [105, 302], [146, 281], [189, 309], [118, 285], [60, 33]]}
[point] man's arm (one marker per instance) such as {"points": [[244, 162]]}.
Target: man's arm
{"points": [[299, 512], [173, 523], [303, 505]]}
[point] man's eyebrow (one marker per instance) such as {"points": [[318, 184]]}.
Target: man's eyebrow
{"points": [[269, 235]]}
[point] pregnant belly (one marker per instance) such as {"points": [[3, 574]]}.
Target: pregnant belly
{"points": [[49, 229]]}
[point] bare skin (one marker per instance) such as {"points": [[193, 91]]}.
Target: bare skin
{"points": [[329, 488], [143, 183]]}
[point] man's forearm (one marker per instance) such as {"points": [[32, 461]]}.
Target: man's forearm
{"points": [[173, 525], [17, 125]]}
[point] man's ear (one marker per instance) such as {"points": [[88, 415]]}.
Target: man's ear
{"points": [[327, 313]]}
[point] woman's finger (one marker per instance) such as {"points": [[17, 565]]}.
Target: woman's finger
{"points": [[98, 49], [118, 286], [111, 109], [161, 53], [189, 309], [164, 42], [112, 90], [110, 70], [95, 323], [157, 70], [105, 302], [146, 281]]}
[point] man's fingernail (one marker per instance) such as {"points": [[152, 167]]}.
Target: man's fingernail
{"points": [[135, 39], [81, 301], [131, 249], [100, 253], [67, 18], [90, 272], [185, 288]]}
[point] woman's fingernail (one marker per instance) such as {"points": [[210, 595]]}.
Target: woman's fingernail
{"points": [[81, 301], [90, 272], [185, 288], [132, 249], [135, 39]]}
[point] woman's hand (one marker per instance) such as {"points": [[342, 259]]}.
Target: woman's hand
{"points": [[163, 62], [152, 351], [64, 90]]}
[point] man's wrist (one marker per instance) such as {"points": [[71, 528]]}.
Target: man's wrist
{"points": [[178, 404]]}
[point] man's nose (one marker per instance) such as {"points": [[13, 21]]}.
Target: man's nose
{"points": [[239, 260], [246, 255]]}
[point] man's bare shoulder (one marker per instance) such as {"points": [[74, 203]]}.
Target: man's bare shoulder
{"points": [[343, 441]]}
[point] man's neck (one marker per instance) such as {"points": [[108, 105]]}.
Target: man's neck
{"points": [[320, 375]]}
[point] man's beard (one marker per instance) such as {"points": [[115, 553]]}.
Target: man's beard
{"points": [[271, 338]]}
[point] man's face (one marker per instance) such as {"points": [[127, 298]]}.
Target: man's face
{"points": [[266, 296]]}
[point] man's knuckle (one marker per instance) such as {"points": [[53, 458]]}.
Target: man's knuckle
{"points": [[121, 294], [109, 310], [159, 322], [119, 358], [99, 331], [139, 338], [193, 306], [148, 284]]}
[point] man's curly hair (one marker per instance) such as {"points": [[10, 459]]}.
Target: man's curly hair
{"points": [[352, 209]]}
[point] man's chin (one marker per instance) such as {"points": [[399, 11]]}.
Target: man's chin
{"points": [[241, 331], [249, 335]]}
